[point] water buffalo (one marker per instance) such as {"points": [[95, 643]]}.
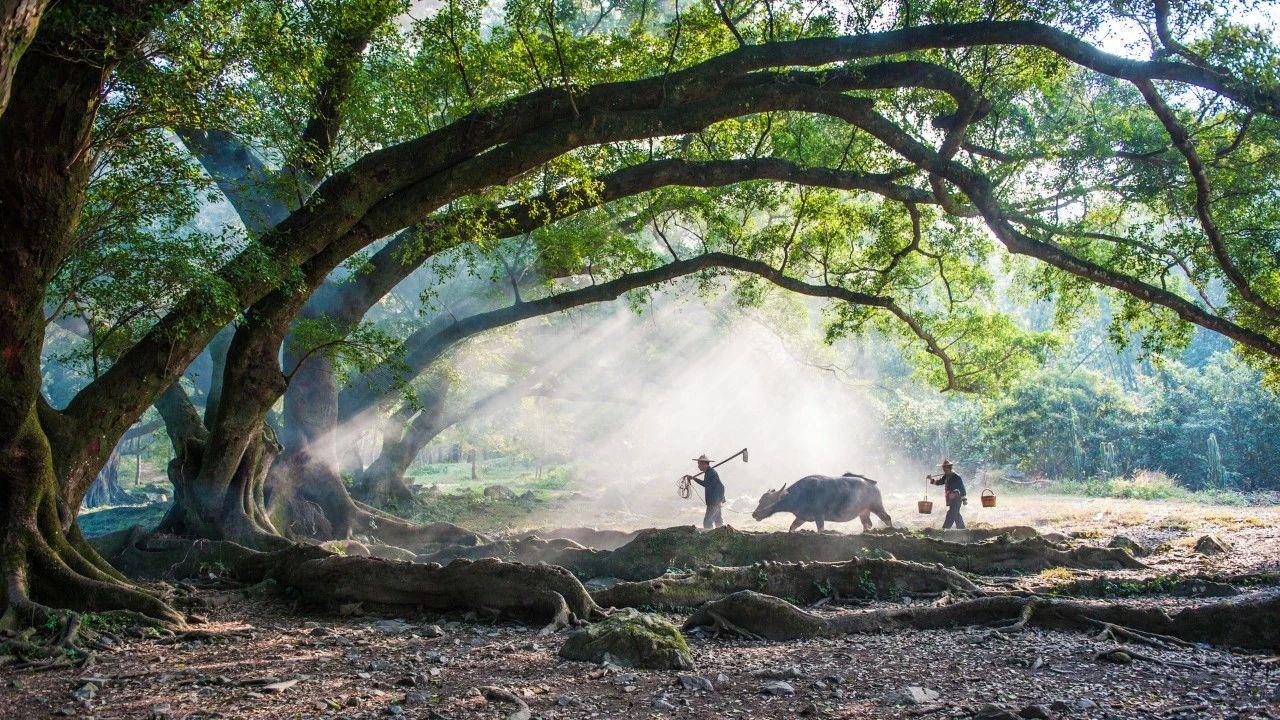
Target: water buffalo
{"points": [[821, 498]]}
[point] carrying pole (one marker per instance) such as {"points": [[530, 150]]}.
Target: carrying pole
{"points": [[684, 481]]}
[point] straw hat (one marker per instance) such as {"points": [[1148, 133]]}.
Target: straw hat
{"points": [[702, 458], [946, 464]]}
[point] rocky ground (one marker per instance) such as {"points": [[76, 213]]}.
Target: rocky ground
{"points": [[272, 663]]}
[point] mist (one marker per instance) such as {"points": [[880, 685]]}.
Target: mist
{"points": [[629, 395]]}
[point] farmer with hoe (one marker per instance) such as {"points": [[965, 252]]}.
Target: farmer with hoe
{"points": [[710, 481], [954, 491]]}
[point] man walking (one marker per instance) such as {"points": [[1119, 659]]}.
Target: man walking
{"points": [[953, 489], [710, 481]]}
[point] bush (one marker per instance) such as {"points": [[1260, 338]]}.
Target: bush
{"points": [[1146, 485]]}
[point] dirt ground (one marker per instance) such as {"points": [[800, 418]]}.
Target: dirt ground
{"points": [[285, 665]]}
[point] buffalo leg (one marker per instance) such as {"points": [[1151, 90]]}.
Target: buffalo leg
{"points": [[878, 509], [818, 521], [865, 517], [796, 523]]}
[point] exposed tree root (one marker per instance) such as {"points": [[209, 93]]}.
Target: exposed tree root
{"points": [[975, 534], [1001, 555], [587, 537], [391, 530], [543, 593], [148, 556], [314, 576], [1124, 654], [497, 694], [1104, 586], [1247, 622], [528, 550], [863, 578], [655, 551]]}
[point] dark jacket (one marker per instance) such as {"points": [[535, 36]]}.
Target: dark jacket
{"points": [[953, 484], [715, 489]]}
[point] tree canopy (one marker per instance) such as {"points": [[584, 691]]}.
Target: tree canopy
{"points": [[922, 166]]}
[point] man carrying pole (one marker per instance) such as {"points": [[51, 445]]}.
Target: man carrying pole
{"points": [[953, 488], [710, 481]]}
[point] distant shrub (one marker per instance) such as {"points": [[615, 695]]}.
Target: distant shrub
{"points": [[1146, 485]]}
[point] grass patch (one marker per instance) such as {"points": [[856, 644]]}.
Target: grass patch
{"points": [[1056, 573], [108, 520], [1144, 485], [1176, 522], [474, 511]]}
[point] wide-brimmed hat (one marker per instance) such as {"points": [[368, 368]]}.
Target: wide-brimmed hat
{"points": [[946, 463], [702, 458]]}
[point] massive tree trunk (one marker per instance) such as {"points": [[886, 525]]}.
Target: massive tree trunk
{"points": [[18, 22], [404, 435], [44, 170]]}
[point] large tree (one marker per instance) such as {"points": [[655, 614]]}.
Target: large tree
{"points": [[961, 120]]}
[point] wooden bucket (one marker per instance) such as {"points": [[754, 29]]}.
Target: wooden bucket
{"points": [[924, 506], [988, 498]]}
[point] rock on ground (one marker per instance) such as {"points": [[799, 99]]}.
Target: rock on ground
{"points": [[631, 639]]}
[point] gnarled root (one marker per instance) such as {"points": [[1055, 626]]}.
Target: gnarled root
{"points": [[863, 578], [528, 550], [542, 593], [1245, 622], [148, 556], [653, 551], [1000, 555], [585, 536], [974, 534], [391, 530], [315, 576]]}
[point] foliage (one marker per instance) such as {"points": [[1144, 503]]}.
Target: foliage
{"points": [[1207, 428]]}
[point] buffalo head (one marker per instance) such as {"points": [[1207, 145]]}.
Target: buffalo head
{"points": [[768, 501]]}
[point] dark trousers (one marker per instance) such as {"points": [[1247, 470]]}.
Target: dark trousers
{"points": [[953, 515], [712, 518]]}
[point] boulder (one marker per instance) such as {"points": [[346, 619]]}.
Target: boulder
{"points": [[499, 492], [1211, 545], [632, 639], [1126, 543]]}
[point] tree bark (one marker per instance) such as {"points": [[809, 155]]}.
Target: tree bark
{"points": [[106, 488], [18, 22], [45, 164]]}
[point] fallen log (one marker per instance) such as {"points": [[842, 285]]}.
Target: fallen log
{"points": [[806, 582], [1246, 622]]}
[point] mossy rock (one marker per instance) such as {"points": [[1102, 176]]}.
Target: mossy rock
{"points": [[1211, 545], [1126, 543], [632, 639]]}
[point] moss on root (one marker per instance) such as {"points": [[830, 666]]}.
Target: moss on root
{"points": [[859, 578]]}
